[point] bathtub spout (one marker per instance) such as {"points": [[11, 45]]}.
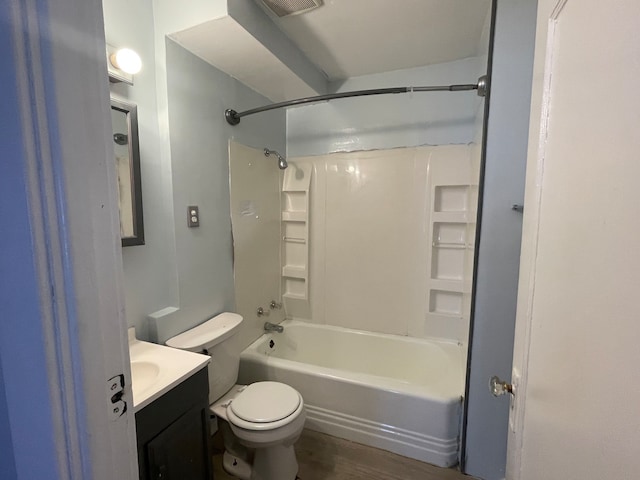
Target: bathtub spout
{"points": [[272, 327]]}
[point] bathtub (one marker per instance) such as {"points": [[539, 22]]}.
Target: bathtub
{"points": [[400, 394]]}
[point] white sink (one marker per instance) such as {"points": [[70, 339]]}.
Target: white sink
{"points": [[143, 376], [156, 369]]}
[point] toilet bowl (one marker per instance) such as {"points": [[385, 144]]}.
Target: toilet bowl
{"points": [[266, 418], [261, 421]]}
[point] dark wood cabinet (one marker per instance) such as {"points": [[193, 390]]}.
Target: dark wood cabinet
{"points": [[173, 433]]}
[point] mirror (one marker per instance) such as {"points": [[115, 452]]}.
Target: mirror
{"points": [[124, 122]]}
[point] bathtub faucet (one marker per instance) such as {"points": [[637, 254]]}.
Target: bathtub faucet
{"points": [[272, 327]]}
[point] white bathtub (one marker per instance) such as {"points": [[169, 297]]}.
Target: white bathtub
{"points": [[396, 393]]}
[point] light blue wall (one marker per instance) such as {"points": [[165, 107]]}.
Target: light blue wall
{"points": [[388, 121], [151, 281], [498, 257], [198, 96], [187, 269]]}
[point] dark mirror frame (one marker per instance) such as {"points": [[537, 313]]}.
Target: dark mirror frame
{"points": [[131, 111]]}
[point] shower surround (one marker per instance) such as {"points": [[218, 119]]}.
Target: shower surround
{"points": [[372, 254], [391, 236]]}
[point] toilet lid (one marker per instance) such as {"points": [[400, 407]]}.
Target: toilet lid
{"points": [[265, 402]]}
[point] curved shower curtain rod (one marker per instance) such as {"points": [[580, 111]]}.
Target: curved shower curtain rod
{"points": [[233, 117]]}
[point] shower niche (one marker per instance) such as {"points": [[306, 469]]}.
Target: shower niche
{"points": [[295, 240], [454, 193]]}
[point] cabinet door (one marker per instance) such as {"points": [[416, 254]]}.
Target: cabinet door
{"points": [[181, 451]]}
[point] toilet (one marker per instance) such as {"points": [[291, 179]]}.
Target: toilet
{"points": [[260, 422]]}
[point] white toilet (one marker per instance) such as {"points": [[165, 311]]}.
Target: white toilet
{"points": [[262, 421]]}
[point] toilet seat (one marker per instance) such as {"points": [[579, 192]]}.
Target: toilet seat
{"points": [[265, 406]]}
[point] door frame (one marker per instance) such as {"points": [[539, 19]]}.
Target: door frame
{"points": [[72, 243], [476, 246], [499, 228]]}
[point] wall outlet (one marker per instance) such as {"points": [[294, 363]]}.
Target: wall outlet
{"points": [[193, 216]]}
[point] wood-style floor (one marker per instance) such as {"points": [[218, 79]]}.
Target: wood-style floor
{"points": [[322, 457]]}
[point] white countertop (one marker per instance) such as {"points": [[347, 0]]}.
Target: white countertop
{"points": [[156, 369]]}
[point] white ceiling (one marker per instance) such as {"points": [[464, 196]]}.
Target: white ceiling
{"points": [[347, 38], [342, 38], [228, 46]]}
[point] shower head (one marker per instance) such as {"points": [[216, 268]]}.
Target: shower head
{"points": [[282, 162]]}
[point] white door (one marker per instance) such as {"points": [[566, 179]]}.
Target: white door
{"points": [[576, 412], [57, 356]]}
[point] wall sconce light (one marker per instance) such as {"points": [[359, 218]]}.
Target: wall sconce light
{"points": [[122, 64], [126, 60]]}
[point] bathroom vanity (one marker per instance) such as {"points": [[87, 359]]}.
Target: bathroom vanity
{"points": [[173, 433], [171, 402]]}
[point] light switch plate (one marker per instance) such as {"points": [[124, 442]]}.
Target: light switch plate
{"points": [[193, 216]]}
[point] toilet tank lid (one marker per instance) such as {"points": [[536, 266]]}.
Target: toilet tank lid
{"points": [[207, 334]]}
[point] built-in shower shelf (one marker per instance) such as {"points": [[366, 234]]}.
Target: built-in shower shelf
{"points": [[447, 285], [294, 190], [451, 217], [300, 240], [295, 239], [456, 246], [294, 216], [294, 271], [294, 296]]}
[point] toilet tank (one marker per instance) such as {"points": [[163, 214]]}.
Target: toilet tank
{"points": [[212, 337]]}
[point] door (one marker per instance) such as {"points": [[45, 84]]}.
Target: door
{"points": [[62, 323], [576, 409], [181, 451]]}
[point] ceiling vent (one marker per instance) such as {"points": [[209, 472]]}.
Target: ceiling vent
{"points": [[284, 8]]}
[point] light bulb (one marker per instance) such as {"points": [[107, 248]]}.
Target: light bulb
{"points": [[126, 60]]}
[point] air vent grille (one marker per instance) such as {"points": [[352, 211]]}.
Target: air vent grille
{"points": [[284, 8]]}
